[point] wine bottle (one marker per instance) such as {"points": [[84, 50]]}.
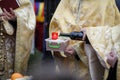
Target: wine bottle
{"points": [[73, 35]]}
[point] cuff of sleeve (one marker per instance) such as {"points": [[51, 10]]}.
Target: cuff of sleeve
{"points": [[79, 48]]}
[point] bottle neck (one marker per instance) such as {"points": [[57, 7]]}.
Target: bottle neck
{"points": [[64, 34]]}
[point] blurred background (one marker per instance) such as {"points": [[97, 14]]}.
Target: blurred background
{"points": [[41, 60]]}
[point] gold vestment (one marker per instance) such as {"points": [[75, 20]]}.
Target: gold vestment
{"points": [[96, 16], [15, 41]]}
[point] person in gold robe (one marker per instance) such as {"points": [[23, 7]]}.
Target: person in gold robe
{"points": [[100, 21], [16, 34]]}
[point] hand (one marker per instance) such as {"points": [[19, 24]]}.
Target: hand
{"points": [[84, 33], [69, 51], [112, 58], [8, 15]]}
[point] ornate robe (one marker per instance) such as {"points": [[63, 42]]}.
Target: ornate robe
{"points": [[101, 20], [16, 43]]}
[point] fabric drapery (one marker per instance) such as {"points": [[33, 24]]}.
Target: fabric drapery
{"points": [[94, 16], [16, 40], [24, 35]]}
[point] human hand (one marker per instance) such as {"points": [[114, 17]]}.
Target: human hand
{"points": [[69, 51], [84, 33], [8, 15], [112, 58]]}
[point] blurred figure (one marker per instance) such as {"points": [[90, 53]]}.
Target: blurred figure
{"points": [[16, 33], [113, 70], [99, 21]]}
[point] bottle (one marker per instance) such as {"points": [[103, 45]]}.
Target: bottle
{"points": [[73, 35]]}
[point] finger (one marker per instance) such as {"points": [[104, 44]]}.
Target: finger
{"points": [[84, 36], [6, 18], [108, 61], [111, 54], [83, 29], [111, 60], [68, 49], [12, 11], [6, 12], [67, 54], [70, 52], [109, 57]]}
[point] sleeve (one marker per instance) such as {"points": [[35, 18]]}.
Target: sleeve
{"points": [[104, 38], [65, 22], [24, 35], [116, 41], [79, 48]]}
